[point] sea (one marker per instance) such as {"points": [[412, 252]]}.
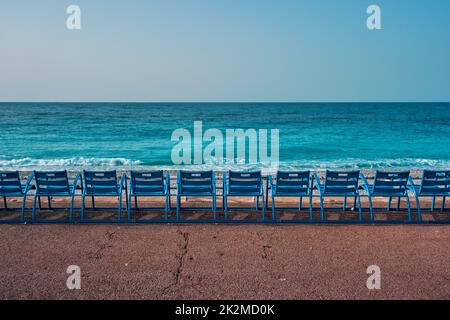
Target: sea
{"points": [[314, 136]]}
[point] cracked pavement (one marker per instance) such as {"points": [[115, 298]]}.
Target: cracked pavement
{"points": [[224, 261]]}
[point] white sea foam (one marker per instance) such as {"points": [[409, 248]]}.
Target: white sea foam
{"points": [[67, 163], [80, 163]]}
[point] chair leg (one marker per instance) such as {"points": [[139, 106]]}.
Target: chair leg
{"points": [[136, 202], [370, 208], [49, 202], [419, 212], [40, 206], [389, 204], [120, 208], [129, 207], [93, 202], [359, 208], [225, 206], [82, 207], [274, 214], [214, 208], [322, 213], [257, 203], [300, 204], [398, 203], [354, 202], [71, 208], [443, 204], [33, 214], [24, 201], [409, 208], [310, 208], [166, 209], [433, 202], [344, 207], [263, 209], [178, 207], [5, 203]]}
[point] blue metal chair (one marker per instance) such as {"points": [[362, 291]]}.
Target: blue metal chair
{"points": [[433, 184], [51, 184], [339, 184], [243, 184], [103, 184], [388, 184], [149, 184], [196, 184], [291, 184], [11, 186]]}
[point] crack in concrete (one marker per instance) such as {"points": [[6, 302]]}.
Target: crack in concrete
{"points": [[180, 258], [178, 274], [109, 235], [103, 246], [265, 246]]}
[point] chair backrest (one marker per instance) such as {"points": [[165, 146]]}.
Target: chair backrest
{"points": [[341, 182], [435, 182], [51, 182], [10, 182], [196, 182], [100, 182], [387, 183], [147, 181], [293, 181], [244, 182]]}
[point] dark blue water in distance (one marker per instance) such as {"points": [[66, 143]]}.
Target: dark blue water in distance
{"points": [[315, 136]]}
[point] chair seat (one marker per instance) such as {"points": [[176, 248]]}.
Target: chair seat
{"points": [[51, 194], [102, 194], [245, 193], [385, 193], [103, 191], [196, 190], [290, 191], [337, 192], [430, 191], [196, 194], [12, 191], [434, 192], [142, 189], [150, 193]]}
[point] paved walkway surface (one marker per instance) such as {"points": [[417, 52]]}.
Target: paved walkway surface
{"points": [[224, 261]]}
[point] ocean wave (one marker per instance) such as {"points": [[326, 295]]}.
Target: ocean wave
{"points": [[405, 163], [78, 163], [68, 162]]}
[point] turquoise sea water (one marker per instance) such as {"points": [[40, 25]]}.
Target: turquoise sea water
{"points": [[130, 135]]}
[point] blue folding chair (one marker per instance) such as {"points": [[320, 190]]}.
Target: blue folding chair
{"points": [[11, 186], [103, 184], [339, 184], [291, 184], [243, 184], [196, 184], [390, 185], [149, 184], [434, 184], [51, 184]]}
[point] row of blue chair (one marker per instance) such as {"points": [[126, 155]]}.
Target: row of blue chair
{"points": [[298, 184]]}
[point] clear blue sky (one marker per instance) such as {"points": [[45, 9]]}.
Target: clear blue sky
{"points": [[225, 50]]}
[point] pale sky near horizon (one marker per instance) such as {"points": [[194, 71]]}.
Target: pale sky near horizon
{"points": [[225, 50]]}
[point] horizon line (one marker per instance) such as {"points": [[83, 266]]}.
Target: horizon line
{"points": [[230, 102]]}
